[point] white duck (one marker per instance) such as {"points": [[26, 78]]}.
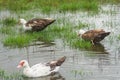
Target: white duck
{"points": [[41, 69], [36, 24]]}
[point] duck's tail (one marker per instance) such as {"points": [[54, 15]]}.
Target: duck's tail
{"points": [[105, 34], [50, 21], [60, 61], [56, 63]]}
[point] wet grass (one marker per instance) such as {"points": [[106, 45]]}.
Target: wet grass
{"points": [[8, 25], [5, 76], [67, 32], [6, 30], [24, 39], [57, 5], [17, 41], [10, 21], [110, 1], [50, 5], [82, 5], [119, 37]]}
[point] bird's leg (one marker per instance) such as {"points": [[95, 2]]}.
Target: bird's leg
{"points": [[92, 42]]}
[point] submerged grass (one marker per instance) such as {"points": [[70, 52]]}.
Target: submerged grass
{"points": [[17, 41], [10, 21], [6, 30], [66, 32], [81, 72], [5, 76], [75, 41]]}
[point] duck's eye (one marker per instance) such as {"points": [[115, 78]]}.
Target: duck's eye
{"points": [[22, 63]]}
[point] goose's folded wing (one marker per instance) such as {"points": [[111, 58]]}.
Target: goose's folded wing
{"points": [[36, 22], [52, 64], [56, 63], [91, 34], [39, 24], [101, 36]]}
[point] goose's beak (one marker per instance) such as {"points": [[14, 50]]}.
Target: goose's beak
{"points": [[19, 66]]}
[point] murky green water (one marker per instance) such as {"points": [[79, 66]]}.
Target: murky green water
{"points": [[101, 62]]}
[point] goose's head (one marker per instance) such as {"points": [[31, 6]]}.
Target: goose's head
{"points": [[23, 63], [22, 21], [80, 32]]}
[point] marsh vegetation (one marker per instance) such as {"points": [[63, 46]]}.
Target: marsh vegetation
{"points": [[54, 5], [17, 38], [70, 15]]}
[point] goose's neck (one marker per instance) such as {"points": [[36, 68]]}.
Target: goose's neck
{"points": [[27, 71], [24, 22], [27, 67], [24, 26], [81, 35]]}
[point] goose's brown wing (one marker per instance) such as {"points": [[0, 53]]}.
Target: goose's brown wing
{"points": [[92, 34], [55, 63], [39, 24], [95, 31], [101, 36]]}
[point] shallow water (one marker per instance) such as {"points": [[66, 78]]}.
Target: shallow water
{"points": [[101, 62]]}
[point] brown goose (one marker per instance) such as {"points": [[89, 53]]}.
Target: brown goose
{"points": [[36, 24], [95, 36]]}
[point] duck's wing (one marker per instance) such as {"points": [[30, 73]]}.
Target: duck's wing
{"points": [[88, 35], [101, 36], [56, 63], [40, 65], [40, 70], [91, 34], [39, 24]]}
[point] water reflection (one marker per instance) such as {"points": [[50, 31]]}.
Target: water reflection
{"points": [[100, 62], [56, 76], [98, 48], [42, 43]]}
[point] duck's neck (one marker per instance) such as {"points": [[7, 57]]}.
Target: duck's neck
{"points": [[24, 27], [27, 71], [27, 67], [80, 35], [24, 22]]}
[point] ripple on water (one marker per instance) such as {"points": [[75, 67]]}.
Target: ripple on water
{"points": [[101, 62]]}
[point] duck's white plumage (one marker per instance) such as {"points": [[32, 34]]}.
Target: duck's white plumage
{"points": [[24, 22], [38, 70], [36, 24], [80, 32], [41, 69]]}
